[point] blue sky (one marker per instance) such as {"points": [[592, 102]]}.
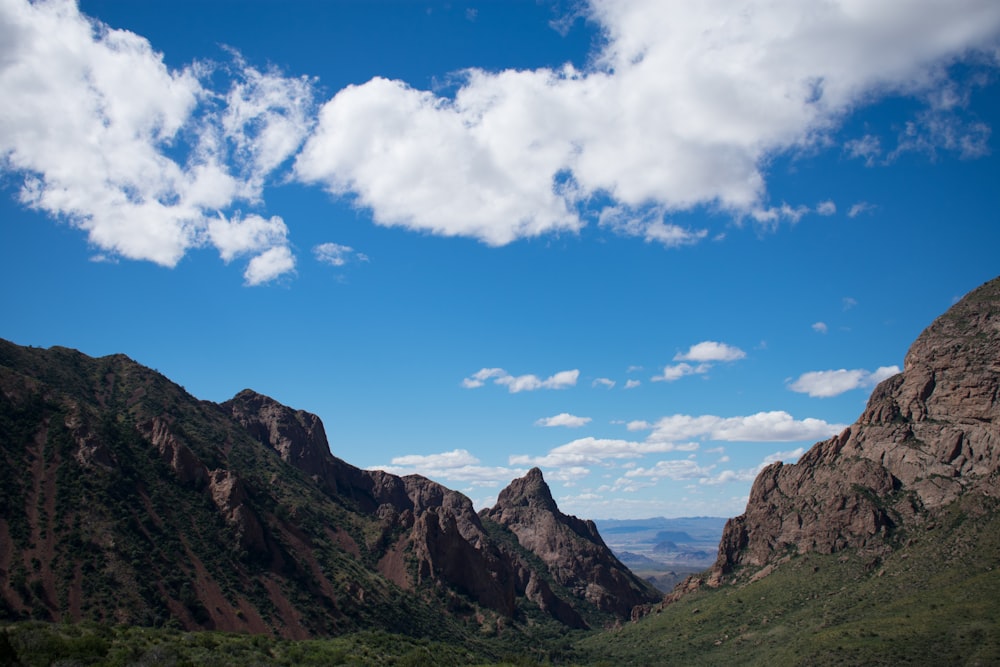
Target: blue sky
{"points": [[648, 247]]}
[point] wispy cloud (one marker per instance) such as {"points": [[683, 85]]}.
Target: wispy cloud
{"points": [[337, 255], [826, 208], [820, 327], [515, 384], [860, 208], [824, 384]]}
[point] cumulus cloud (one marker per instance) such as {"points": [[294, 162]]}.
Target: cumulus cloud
{"points": [[681, 107], [826, 208], [564, 419], [702, 353], [590, 451], [820, 327], [143, 158], [710, 350], [750, 474], [269, 265], [774, 426], [824, 384], [252, 234], [458, 465], [680, 469], [677, 371], [519, 383]]}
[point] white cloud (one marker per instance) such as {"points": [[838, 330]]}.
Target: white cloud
{"points": [[458, 465], [564, 419], [269, 265], [859, 208], [141, 157], [867, 148], [247, 235], [826, 208], [820, 327], [683, 106], [519, 383], [632, 384], [677, 371], [774, 426], [649, 225], [592, 451], [336, 254], [673, 470], [710, 350], [453, 459], [603, 382], [824, 384], [704, 352], [750, 474]]}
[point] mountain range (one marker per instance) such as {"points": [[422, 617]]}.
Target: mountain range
{"points": [[126, 501]]}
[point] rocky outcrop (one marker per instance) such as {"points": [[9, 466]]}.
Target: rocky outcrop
{"points": [[927, 436], [124, 499], [442, 536], [572, 549], [229, 495], [174, 453]]}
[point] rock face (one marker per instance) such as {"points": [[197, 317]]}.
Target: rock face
{"points": [[124, 499], [928, 436], [447, 540], [571, 548]]}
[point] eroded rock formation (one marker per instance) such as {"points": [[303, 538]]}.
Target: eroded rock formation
{"points": [[928, 436]]}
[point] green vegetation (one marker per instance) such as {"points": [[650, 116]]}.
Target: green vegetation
{"points": [[935, 600]]}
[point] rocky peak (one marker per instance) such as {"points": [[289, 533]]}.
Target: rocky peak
{"points": [[528, 491], [297, 436], [927, 436], [572, 549]]}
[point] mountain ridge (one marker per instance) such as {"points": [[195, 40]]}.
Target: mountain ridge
{"points": [[926, 438], [127, 500]]}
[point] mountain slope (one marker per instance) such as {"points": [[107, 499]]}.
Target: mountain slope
{"points": [[880, 546], [928, 437], [124, 499]]}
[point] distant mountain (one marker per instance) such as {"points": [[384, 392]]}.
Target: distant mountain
{"points": [[926, 445], [125, 500]]}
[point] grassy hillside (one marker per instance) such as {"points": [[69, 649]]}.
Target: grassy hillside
{"points": [[936, 600]]}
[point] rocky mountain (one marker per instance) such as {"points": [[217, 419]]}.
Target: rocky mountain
{"points": [[124, 499], [571, 549], [927, 440]]}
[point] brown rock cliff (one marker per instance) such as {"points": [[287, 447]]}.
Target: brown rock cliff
{"points": [[927, 436]]}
